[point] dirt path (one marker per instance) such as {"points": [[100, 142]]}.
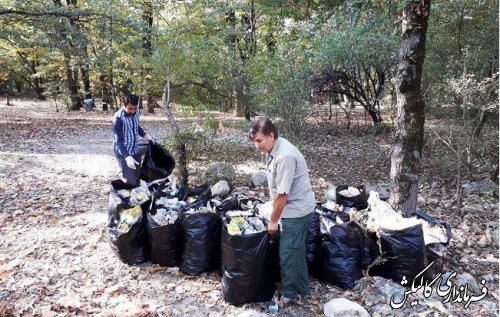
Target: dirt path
{"points": [[55, 259]]}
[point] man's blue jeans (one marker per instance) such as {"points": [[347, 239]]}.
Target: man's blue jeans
{"points": [[130, 176]]}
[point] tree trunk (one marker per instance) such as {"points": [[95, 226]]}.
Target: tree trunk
{"points": [[374, 114], [180, 147], [246, 46], [241, 104], [407, 150], [183, 164], [85, 70], [37, 81], [482, 120], [72, 85], [71, 76], [151, 103], [147, 50]]}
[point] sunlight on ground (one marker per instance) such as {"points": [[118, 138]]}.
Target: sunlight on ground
{"points": [[245, 169], [86, 164]]}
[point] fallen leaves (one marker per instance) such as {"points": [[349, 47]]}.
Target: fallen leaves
{"points": [[55, 258]]}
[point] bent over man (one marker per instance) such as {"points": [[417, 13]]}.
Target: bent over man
{"points": [[293, 202], [127, 130]]}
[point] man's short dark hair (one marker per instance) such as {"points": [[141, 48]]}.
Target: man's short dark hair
{"points": [[132, 99], [264, 126]]}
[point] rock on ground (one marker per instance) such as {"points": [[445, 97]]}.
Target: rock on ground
{"points": [[219, 171], [342, 307]]}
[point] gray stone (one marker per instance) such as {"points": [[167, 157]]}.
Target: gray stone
{"points": [[219, 171], [460, 280], [378, 290], [384, 310], [433, 201], [492, 206], [259, 178], [342, 307], [473, 209], [488, 277], [421, 200], [486, 186], [221, 189]]}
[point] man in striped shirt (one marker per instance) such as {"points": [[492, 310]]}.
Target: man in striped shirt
{"points": [[126, 130]]}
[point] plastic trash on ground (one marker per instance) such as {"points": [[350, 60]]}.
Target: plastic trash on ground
{"points": [[382, 215], [265, 210], [349, 196], [129, 217], [245, 225], [350, 192], [165, 217]]}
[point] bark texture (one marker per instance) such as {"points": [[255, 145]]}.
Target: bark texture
{"points": [[407, 150]]}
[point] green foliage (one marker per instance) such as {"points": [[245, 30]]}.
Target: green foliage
{"points": [[213, 125], [215, 63], [468, 137], [379, 260], [462, 39], [192, 139]]}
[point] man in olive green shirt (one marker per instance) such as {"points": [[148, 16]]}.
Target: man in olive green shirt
{"points": [[293, 202]]}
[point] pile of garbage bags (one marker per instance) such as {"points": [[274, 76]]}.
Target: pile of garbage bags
{"points": [[199, 232], [356, 234]]}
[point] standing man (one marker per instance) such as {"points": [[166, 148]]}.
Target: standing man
{"points": [[127, 130], [293, 202]]}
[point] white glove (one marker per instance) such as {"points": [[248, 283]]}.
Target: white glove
{"points": [[131, 162], [148, 138]]}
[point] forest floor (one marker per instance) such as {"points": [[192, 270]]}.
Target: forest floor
{"points": [[55, 258]]}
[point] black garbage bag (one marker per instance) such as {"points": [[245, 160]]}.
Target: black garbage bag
{"points": [[405, 253], [130, 246], [339, 255], [247, 268], [435, 221], [238, 202], [158, 163], [230, 203], [359, 202], [200, 194], [166, 190], [370, 249], [164, 240], [313, 237], [201, 238], [273, 253]]}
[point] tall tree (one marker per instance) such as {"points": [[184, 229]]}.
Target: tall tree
{"points": [[407, 150], [147, 49], [64, 34]]}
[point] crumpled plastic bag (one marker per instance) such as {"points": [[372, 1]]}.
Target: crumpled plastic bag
{"points": [[382, 215]]}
